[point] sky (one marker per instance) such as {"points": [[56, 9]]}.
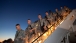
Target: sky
{"points": [[18, 11]]}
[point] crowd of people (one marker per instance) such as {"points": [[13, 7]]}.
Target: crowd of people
{"points": [[35, 29]]}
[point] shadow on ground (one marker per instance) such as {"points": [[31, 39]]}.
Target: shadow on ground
{"points": [[72, 37]]}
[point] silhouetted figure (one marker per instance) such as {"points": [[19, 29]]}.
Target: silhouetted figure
{"points": [[10, 40], [50, 12], [5, 41]]}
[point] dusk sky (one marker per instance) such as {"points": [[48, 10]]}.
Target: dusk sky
{"points": [[18, 11]]}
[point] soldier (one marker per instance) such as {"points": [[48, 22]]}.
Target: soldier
{"points": [[42, 24], [61, 7], [31, 31], [20, 35], [58, 14], [54, 17], [61, 11], [48, 17], [42, 27], [50, 12], [67, 9]]}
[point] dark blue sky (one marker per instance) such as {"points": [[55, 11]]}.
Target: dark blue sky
{"points": [[18, 11]]}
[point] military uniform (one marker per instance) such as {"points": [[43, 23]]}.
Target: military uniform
{"points": [[58, 13], [51, 13], [19, 34], [54, 16], [64, 12], [61, 13], [31, 35], [36, 24], [41, 24], [49, 18], [31, 26]]}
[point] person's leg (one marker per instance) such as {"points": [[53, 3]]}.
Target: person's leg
{"points": [[42, 29], [49, 22], [26, 39], [31, 39], [39, 34], [61, 17]]}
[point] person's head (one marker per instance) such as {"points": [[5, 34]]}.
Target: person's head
{"points": [[61, 7], [65, 6], [54, 14], [46, 13], [56, 9], [18, 26], [39, 16], [29, 21]]}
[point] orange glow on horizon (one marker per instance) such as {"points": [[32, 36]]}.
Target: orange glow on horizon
{"points": [[1, 40]]}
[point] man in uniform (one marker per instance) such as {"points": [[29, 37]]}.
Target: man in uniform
{"points": [[50, 12], [48, 17], [68, 10], [58, 14], [31, 31], [65, 11], [20, 35], [42, 24], [61, 11], [54, 18]]}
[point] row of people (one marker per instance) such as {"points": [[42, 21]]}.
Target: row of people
{"points": [[40, 26]]}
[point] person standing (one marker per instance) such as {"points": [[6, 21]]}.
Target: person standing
{"points": [[42, 23], [31, 31], [48, 18], [20, 35]]}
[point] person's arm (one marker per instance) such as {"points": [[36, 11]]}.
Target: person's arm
{"points": [[49, 17], [26, 37], [45, 24], [15, 39], [33, 28], [23, 35], [30, 30]]}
